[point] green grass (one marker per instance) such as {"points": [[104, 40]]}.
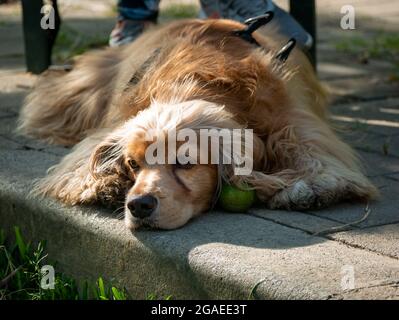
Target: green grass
{"points": [[180, 11], [382, 45], [386, 146], [20, 276], [71, 42]]}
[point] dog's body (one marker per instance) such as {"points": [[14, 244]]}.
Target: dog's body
{"points": [[180, 76]]}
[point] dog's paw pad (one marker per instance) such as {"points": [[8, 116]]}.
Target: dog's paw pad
{"points": [[299, 196]]}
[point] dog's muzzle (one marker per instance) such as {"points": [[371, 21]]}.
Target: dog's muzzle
{"points": [[142, 207]]}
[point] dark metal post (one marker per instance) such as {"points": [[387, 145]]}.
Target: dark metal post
{"points": [[38, 42], [304, 11]]}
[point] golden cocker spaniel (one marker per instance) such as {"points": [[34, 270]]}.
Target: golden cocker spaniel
{"points": [[190, 75]]}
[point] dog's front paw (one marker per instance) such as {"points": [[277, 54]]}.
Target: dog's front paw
{"points": [[299, 196], [317, 192]]}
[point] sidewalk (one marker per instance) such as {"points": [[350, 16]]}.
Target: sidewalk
{"points": [[284, 255]]}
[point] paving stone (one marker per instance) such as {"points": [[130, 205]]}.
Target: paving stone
{"points": [[370, 142], [351, 126], [12, 38], [383, 239], [388, 145], [11, 101], [328, 71], [378, 164], [297, 220], [359, 106], [7, 127], [57, 150], [6, 114], [377, 116], [335, 65], [388, 291], [359, 88], [12, 63], [7, 144], [20, 165], [386, 109], [383, 211]]}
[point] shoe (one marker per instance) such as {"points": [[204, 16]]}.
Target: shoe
{"points": [[126, 31], [289, 28], [241, 10]]}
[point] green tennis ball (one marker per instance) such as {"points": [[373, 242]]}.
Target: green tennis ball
{"points": [[236, 200]]}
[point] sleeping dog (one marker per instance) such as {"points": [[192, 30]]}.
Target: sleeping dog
{"points": [[194, 74]]}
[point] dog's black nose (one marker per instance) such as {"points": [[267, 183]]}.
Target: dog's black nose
{"points": [[142, 206]]}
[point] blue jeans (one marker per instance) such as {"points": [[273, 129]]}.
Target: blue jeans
{"points": [[138, 9], [238, 10], [235, 10]]}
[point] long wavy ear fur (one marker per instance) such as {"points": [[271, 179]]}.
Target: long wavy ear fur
{"points": [[92, 172], [264, 183]]}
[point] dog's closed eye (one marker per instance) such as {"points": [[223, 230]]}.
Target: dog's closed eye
{"points": [[185, 165], [133, 164]]}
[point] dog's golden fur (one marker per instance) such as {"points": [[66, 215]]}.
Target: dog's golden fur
{"points": [[191, 74]]}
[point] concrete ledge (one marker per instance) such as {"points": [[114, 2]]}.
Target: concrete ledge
{"points": [[217, 256]]}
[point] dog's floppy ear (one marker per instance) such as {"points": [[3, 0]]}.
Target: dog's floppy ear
{"points": [[264, 184], [108, 171], [252, 158], [92, 172], [107, 157]]}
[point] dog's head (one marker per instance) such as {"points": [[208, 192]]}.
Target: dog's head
{"points": [[174, 176]]}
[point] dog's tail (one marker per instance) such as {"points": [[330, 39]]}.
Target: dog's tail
{"points": [[64, 105]]}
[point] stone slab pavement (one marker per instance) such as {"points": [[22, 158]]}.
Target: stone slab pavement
{"points": [[286, 255]]}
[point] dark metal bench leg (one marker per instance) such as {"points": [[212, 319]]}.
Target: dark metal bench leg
{"points": [[304, 11], [38, 42]]}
